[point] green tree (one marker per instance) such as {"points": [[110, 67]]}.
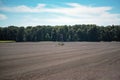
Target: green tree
{"points": [[20, 34]]}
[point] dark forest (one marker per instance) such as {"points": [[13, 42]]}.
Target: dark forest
{"points": [[61, 33]]}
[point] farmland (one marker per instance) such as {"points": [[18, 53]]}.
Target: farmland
{"points": [[50, 61]]}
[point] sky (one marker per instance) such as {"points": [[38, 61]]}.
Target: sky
{"points": [[59, 12]]}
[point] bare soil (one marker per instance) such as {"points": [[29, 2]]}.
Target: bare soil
{"points": [[50, 61]]}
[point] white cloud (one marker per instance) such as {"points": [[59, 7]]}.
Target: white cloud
{"points": [[23, 8], [72, 8], [73, 13], [3, 17]]}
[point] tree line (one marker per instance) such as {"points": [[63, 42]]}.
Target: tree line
{"points": [[61, 33]]}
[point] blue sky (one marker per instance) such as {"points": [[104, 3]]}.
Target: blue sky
{"points": [[59, 12]]}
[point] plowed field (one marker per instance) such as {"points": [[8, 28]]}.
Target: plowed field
{"points": [[50, 61]]}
